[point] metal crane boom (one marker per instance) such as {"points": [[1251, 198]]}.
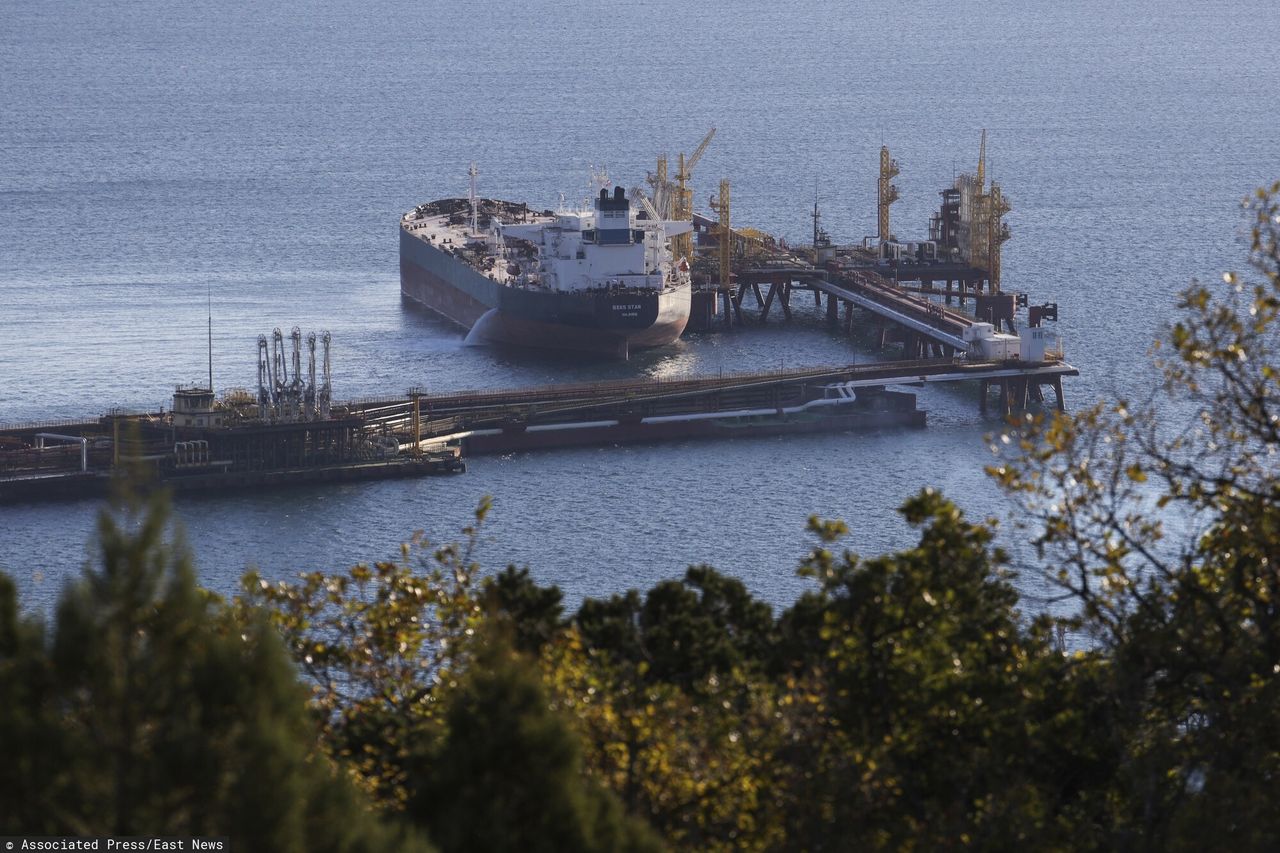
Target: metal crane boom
{"points": [[698, 152], [638, 194], [683, 245], [982, 162]]}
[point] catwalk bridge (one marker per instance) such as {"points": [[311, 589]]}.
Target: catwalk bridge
{"points": [[499, 421]]}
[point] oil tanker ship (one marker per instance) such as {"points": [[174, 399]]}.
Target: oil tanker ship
{"points": [[598, 278]]}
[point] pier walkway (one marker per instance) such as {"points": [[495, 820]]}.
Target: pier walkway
{"points": [[863, 287], [434, 418], [421, 434]]}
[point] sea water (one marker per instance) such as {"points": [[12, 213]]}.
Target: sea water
{"points": [[158, 158]]}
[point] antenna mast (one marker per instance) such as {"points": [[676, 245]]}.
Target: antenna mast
{"points": [[208, 292], [475, 199]]}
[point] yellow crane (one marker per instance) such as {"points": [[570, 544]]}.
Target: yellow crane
{"points": [[660, 186], [982, 160], [979, 211], [682, 246], [997, 233], [887, 193], [725, 235]]}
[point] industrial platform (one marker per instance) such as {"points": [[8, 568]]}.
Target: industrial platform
{"points": [[940, 299]]}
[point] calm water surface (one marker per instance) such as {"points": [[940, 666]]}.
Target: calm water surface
{"points": [[264, 152]]}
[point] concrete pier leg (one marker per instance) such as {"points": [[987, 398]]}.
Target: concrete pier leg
{"points": [[1057, 390], [984, 388], [833, 308]]}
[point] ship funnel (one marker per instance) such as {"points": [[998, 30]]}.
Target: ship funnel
{"points": [[613, 218]]}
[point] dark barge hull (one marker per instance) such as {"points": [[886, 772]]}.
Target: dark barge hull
{"points": [[853, 418], [80, 485], [601, 322]]}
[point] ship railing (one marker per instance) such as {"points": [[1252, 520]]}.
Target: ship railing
{"points": [[33, 425]]}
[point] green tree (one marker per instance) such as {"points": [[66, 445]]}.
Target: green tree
{"points": [[533, 612], [931, 716], [695, 764], [163, 715], [380, 646], [682, 631], [669, 693], [33, 773], [1167, 536], [508, 775]]}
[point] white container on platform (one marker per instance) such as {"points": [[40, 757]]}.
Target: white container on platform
{"points": [[977, 332], [1000, 347], [1039, 343]]}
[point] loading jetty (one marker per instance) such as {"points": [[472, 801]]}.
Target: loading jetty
{"points": [[940, 299], [203, 444]]}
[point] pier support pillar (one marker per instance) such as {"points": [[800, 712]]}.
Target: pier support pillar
{"points": [[416, 425], [768, 301], [833, 308]]}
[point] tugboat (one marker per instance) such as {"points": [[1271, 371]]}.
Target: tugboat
{"points": [[597, 279]]}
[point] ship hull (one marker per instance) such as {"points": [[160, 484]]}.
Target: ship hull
{"points": [[608, 323]]}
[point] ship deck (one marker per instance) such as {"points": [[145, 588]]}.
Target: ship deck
{"points": [[446, 226]]}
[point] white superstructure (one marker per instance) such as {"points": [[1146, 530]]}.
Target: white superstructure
{"points": [[602, 247]]}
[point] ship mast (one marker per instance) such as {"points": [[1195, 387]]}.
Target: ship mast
{"points": [[208, 292], [475, 199]]}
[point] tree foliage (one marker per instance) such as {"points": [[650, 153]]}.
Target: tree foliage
{"points": [[508, 773], [1164, 531], [375, 643], [150, 711]]}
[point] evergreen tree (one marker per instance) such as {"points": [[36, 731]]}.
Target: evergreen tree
{"points": [[933, 703], [162, 716], [34, 757], [508, 775], [534, 612], [682, 631]]}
